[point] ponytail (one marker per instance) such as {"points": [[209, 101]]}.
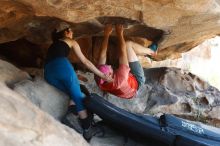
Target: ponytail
{"points": [[57, 35]]}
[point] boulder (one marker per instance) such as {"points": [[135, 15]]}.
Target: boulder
{"points": [[23, 123], [46, 97]]}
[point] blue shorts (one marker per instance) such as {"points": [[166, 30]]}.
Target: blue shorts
{"points": [[138, 72], [60, 73]]}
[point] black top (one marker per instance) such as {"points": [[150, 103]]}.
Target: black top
{"points": [[57, 49]]}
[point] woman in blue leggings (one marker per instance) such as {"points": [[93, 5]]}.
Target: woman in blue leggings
{"points": [[59, 72]]}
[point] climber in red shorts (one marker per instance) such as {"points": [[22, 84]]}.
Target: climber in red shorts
{"points": [[130, 75]]}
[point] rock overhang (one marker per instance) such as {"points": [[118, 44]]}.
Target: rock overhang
{"points": [[177, 25]]}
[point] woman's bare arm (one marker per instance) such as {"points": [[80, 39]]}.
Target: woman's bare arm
{"points": [[76, 48]]}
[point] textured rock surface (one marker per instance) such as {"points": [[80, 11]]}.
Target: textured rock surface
{"points": [[200, 61], [43, 95], [22, 123], [183, 23]]}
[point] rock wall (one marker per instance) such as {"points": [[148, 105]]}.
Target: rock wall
{"points": [[200, 61], [22, 123], [183, 24]]}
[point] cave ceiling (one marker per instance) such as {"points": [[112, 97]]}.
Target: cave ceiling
{"points": [[177, 25]]}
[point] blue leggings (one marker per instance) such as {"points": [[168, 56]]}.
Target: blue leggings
{"points": [[60, 73]]}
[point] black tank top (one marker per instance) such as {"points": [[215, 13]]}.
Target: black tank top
{"points": [[57, 49]]}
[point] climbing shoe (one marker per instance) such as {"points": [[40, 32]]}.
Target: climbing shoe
{"points": [[93, 130], [90, 128], [153, 47], [73, 122]]}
